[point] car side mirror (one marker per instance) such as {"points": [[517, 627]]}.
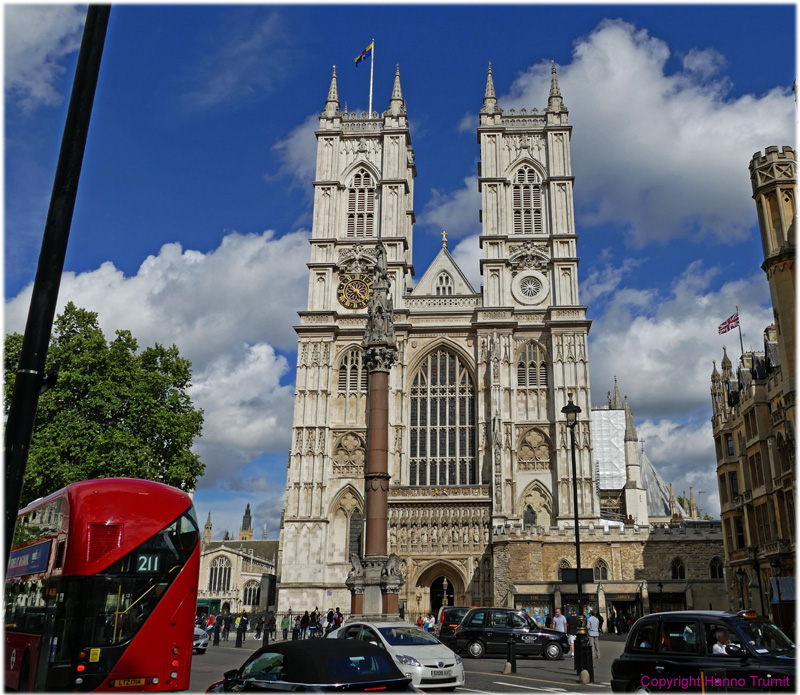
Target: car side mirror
{"points": [[230, 675], [734, 650]]}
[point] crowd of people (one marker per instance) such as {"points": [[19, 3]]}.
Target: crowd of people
{"points": [[292, 626]]}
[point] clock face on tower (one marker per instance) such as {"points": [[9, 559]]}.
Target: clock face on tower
{"points": [[355, 290]]}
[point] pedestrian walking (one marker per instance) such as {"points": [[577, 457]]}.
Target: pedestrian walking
{"points": [[559, 621], [259, 626], [572, 631], [285, 624], [227, 624], [593, 630]]}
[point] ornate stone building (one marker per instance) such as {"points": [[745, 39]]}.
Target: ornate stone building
{"points": [[479, 456], [236, 575], [754, 415]]}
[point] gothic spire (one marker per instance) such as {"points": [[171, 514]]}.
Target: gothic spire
{"points": [[332, 102], [397, 104], [616, 401], [489, 96], [714, 372], [246, 519], [555, 102], [630, 429]]}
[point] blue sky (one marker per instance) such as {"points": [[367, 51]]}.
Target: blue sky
{"points": [[192, 220]]}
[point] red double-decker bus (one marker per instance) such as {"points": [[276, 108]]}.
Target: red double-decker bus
{"points": [[101, 589]]}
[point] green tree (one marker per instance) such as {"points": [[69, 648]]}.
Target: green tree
{"points": [[112, 412]]}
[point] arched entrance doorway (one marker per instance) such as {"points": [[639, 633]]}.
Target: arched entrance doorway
{"points": [[429, 589], [441, 589]]}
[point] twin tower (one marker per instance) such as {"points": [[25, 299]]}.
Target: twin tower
{"points": [[476, 437]]}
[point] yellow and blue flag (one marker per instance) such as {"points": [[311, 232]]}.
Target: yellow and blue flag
{"points": [[365, 54]]}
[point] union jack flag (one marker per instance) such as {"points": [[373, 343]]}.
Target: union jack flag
{"points": [[732, 322]]}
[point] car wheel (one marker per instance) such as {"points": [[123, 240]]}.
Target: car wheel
{"points": [[476, 649], [552, 651], [637, 687]]}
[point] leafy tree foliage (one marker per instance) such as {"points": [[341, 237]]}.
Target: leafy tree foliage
{"points": [[112, 412]]}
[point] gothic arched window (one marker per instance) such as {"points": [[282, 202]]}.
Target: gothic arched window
{"points": [[527, 202], [353, 375], [563, 565], [528, 518], [532, 367], [716, 568], [444, 284], [252, 593], [442, 422], [361, 205], [601, 571], [678, 569], [219, 575]]}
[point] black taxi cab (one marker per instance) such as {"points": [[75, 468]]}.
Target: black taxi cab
{"points": [[705, 651], [488, 630]]}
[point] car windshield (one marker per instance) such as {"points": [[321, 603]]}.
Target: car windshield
{"points": [[407, 636], [765, 638]]}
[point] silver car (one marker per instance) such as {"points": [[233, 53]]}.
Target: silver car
{"points": [[418, 654], [200, 640]]}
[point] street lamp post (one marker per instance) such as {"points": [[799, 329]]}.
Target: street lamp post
{"points": [[571, 412], [776, 572], [740, 577]]}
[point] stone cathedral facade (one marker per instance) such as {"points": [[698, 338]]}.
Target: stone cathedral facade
{"points": [[479, 453]]}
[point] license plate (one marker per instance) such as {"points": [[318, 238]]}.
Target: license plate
{"points": [[441, 674], [127, 682]]}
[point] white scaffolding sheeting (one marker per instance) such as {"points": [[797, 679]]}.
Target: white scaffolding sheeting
{"points": [[608, 432]]}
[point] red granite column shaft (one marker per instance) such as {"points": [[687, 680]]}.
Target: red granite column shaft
{"points": [[377, 476]]}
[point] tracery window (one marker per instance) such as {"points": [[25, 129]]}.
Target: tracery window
{"points": [[716, 568], [527, 202], [353, 374], [442, 423], [252, 593], [532, 367], [444, 284], [601, 571], [219, 575], [361, 205], [563, 565], [678, 569]]}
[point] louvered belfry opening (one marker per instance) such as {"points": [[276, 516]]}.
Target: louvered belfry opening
{"points": [[442, 423], [532, 368], [361, 206], [527, 202]]}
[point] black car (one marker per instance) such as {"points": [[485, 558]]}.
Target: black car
{"points": [[316, 666], [448, 620], [709, 651], [487, 631]]}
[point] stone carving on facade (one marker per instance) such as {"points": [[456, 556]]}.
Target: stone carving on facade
{"points": [[524, 145], [357, 259], [528, 255], [349, 455], [533, 452]]}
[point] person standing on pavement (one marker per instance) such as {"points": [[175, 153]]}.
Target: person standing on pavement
{"points": [[559, 622], [285, 626], [572, 631], [612, 622], [593, 630]]}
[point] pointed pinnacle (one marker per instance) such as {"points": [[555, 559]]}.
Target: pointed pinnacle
{"points": [[333, 92], [630, 428], [554, 89], [489, 93], [397, 92]]}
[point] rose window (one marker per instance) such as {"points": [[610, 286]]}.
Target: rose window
{"points": [[530, 287]]}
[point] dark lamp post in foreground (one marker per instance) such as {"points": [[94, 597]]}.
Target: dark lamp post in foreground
{"points": [[571, 412], [776, 572]]}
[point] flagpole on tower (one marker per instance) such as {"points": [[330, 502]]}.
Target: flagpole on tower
{"points": [[371, 68], [739, 326]]}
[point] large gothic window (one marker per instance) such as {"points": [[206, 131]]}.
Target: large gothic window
{"points": [[354, 534], [252, 593], [361, 205], [527, 202], [442, 423], [353, 372], [678, 569], [532, 367], [219, 575]]}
